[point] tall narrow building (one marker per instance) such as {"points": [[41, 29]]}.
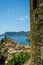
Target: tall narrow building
{"points": [[36, 33]]}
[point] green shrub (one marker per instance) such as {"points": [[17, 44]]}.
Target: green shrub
{"points": [[20, 57]]}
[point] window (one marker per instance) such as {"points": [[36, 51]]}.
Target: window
{"points": [[34, 4]]}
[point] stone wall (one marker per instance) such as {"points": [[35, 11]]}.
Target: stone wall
{"points": [[36, 33]]}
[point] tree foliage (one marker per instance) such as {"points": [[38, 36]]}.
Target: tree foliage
{"points": [[19, 58]]}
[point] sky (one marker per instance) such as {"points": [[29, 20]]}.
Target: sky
{"points": [[14, 15]]}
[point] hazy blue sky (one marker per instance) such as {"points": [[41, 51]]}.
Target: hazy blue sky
{"points": [[14, 15]]}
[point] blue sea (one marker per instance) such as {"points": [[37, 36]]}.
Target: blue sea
{"points": [[20, 39]]}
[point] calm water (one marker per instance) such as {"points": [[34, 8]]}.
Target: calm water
{"points": [[20, 39]]}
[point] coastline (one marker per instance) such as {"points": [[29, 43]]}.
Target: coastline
{"points": [[11, 47]]}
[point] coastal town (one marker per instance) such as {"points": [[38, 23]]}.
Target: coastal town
{"points": [[11, 47]]}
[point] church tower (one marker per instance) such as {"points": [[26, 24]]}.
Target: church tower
{"points": [[36, 31]]}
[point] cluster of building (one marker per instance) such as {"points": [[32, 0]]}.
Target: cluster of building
{"points": [[10, 48]]}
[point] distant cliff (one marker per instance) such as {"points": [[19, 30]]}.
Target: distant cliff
{"points": [[17, 33]]}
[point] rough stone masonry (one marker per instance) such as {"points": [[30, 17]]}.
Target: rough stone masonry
{"points": [[36, 31]]}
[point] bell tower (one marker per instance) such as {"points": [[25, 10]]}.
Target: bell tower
{"points": [[36, 31]]}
